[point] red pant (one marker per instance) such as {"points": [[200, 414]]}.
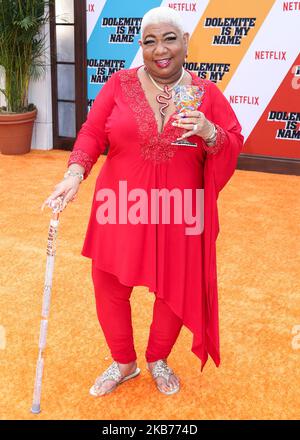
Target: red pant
{"points": [[114, 314]]}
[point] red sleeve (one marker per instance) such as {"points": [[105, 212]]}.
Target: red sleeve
{"points": [[91, 140], [229, 140]]}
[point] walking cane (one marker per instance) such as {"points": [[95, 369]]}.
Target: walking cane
{"points": [[56, 206]]}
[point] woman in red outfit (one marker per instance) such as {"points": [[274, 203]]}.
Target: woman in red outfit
{"points": [[131, 116]]}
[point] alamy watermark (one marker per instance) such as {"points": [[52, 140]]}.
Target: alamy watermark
{"points": [[146, 211]]}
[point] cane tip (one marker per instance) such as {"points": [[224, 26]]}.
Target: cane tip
{"points": [[36, 409]]}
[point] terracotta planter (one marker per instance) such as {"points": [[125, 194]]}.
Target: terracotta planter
{"points": [[16, 132]]}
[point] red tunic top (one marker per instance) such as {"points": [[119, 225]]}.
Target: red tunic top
{"points": [[179, 268]]}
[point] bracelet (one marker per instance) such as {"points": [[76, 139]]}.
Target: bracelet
{"points": [[74, 173], [211, 138]]}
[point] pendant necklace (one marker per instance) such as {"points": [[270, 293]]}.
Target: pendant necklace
{"points": [[165, 95]]}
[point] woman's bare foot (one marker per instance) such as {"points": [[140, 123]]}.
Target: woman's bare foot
{"points": [[125, 370], [161, 381]]}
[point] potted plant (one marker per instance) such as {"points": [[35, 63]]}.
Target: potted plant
{"points": [[22, 46]]}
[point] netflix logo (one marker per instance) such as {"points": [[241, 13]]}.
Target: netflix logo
{"points": [[90, 7], [291, 6], [277, 55], [244, 99], [183, 7]]}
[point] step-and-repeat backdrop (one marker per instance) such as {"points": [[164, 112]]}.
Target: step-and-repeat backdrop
{"points": [[250, 49]]}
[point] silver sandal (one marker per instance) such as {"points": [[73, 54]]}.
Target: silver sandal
{"points": [[111, 373], [161, 369]]}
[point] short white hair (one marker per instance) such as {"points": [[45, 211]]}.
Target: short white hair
{"points": [[162, 14]]}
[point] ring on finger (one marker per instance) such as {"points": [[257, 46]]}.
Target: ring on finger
{"points": [[195, 127]]}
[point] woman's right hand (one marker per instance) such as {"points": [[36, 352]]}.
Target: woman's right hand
{"points": [[67, 188]]}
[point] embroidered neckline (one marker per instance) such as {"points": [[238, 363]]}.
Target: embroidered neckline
{"points": [[195, 82], [155, 145], [147, 104]]}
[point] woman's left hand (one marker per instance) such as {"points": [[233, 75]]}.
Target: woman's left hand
{"points": [[195, 122]]}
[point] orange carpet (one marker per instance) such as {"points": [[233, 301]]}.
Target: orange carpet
{"points": [[259, 300]]}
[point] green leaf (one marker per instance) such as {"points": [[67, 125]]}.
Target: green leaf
{"points": [[22, 47]]}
